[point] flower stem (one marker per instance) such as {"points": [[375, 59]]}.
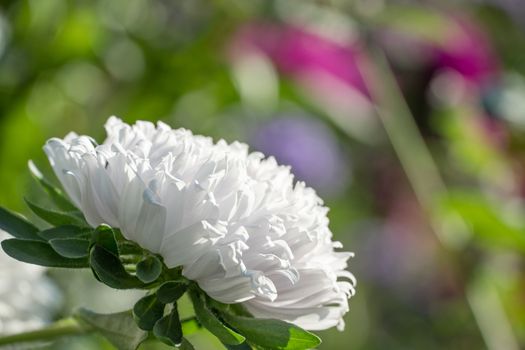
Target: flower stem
{"points": [[65, 327], [428, 185]]}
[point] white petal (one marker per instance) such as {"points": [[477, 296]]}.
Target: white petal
{"points": [[234, 221]]}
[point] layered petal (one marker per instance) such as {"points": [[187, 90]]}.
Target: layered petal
{"points": [[234, 221]]}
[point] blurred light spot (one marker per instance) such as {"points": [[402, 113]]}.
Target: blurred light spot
{"points": [[141, 17], [13, 68], [322, 20], [112, 13], [124, 60], [256, 81], [370, 7], [512, 212], [512, 101], [79, 33], [46, 102], [194, 109], [448, 89], [456, 230], [46, 15], [83, 82]]}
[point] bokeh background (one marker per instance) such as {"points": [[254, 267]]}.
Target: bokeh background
{"points": [[408, 117]]}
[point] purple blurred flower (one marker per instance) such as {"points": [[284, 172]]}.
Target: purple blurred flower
{"points": [[302, 53], [309, 147], [400, 252]]}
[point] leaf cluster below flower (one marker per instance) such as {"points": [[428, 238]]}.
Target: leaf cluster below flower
{"points": [[122, 264]]}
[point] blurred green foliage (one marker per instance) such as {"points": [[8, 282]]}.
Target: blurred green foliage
{"points": [[68, 65]]}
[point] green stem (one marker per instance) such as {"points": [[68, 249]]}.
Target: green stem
{"points": [[428, 185], [65, 327], [406, 140]]}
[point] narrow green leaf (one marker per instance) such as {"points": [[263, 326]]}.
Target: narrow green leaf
{"points": [[272, 334], [171, 291], [39, 253], [56, 195], [169, 329], [109, 270], [208, 319], [119, 329], [66, 231], [104, 236], [55, 217], [147, 311], [17, 226], [71, 247], [149, 269]]}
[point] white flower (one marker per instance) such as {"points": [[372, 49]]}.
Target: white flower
{"points": [[27, 298], [233, 220]]}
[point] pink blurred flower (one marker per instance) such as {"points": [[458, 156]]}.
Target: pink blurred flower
{"points": [[460, 46], [300, 52], [326, 70], [468, 51]]}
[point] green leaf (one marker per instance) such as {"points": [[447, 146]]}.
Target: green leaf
{"points": [[119, 329], [66, 231], [487, 219], [17, 226], [109, 270], [239, 310], [236, 309], [104, 236], [147, 311], [39, 253], [243, 346], [57, 196], [129, 248], [186, 345], [171, 291], [169, 329], [56, 218], [190, 326], [149, 269], [71, 247], [208, 319], [272, 334]]}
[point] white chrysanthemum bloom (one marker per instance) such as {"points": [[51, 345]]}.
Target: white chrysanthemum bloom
{"points": [[27, 298], [233, 220]]}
